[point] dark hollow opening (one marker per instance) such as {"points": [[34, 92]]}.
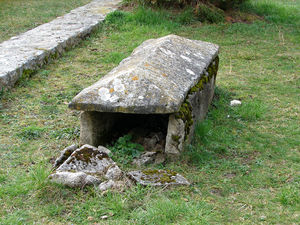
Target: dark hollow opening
{"points": [[149, 130]]}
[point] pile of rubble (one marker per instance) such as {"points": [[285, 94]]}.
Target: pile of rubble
{"points": [[88, 165]]}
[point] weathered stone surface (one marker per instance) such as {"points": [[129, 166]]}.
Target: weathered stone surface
{"points": [[172, 78], [103, 149], [87, 159], [182, 124], [64, 155], [148, 158], [113, 173], [145, 158], [157, 178], [155, 78], [96, 129], [32, 49], [86, 165], [74, 179], [112, 184], [175, 135]]}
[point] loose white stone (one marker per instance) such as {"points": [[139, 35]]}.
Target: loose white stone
{"points": [[235, 102], [73, 179]]}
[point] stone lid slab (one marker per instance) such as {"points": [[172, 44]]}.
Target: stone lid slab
{"points": [[155, 78]]}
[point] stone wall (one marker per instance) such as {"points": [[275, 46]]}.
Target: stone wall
{"points": [[24, 54]]}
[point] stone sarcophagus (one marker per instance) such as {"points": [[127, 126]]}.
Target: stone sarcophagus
{"points": [[165, 85]]}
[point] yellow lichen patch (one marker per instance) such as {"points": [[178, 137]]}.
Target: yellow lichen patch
{"points": [[111, 90], [135, 78], [160, 176]]}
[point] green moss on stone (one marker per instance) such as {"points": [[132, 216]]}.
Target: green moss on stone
{"points": [[175, 138], [27, 73], [86, 154], [159, 176], [185, 111]]}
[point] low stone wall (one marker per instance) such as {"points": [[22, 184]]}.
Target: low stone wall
{"points": [[171, 77], [23, 54]]}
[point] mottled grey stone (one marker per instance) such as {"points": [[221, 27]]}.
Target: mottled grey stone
{"points": [[96, 128], [34, 48], [155, 78], [178, 135], [85, 166], [175, 135], [73, 179], [112, 184], [87, 159], [171, 76], [64, 155], [103, 149], [145, 158], [157, 178], [113, 173]]}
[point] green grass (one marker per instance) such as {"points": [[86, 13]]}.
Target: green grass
{"points": [[244, 163], [287, 12], [18, 16]]}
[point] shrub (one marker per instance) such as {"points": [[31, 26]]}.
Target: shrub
{"points": [[209, 13], [226, 4], [223, 4]]}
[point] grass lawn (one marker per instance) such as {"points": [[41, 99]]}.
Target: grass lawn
{"points": [[18, 16], [244, 163]]}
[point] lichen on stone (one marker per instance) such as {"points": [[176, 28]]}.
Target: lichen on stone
{"points": [[185, 111], [161, 176], [86, 154]]}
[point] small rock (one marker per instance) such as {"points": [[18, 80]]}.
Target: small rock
{"points": [[104, 217], [71, 179], [235, 102], [158, 178], [85, 166], [145, 158], [87, 159], [230, 175], [111, 184], [113, 173]]}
